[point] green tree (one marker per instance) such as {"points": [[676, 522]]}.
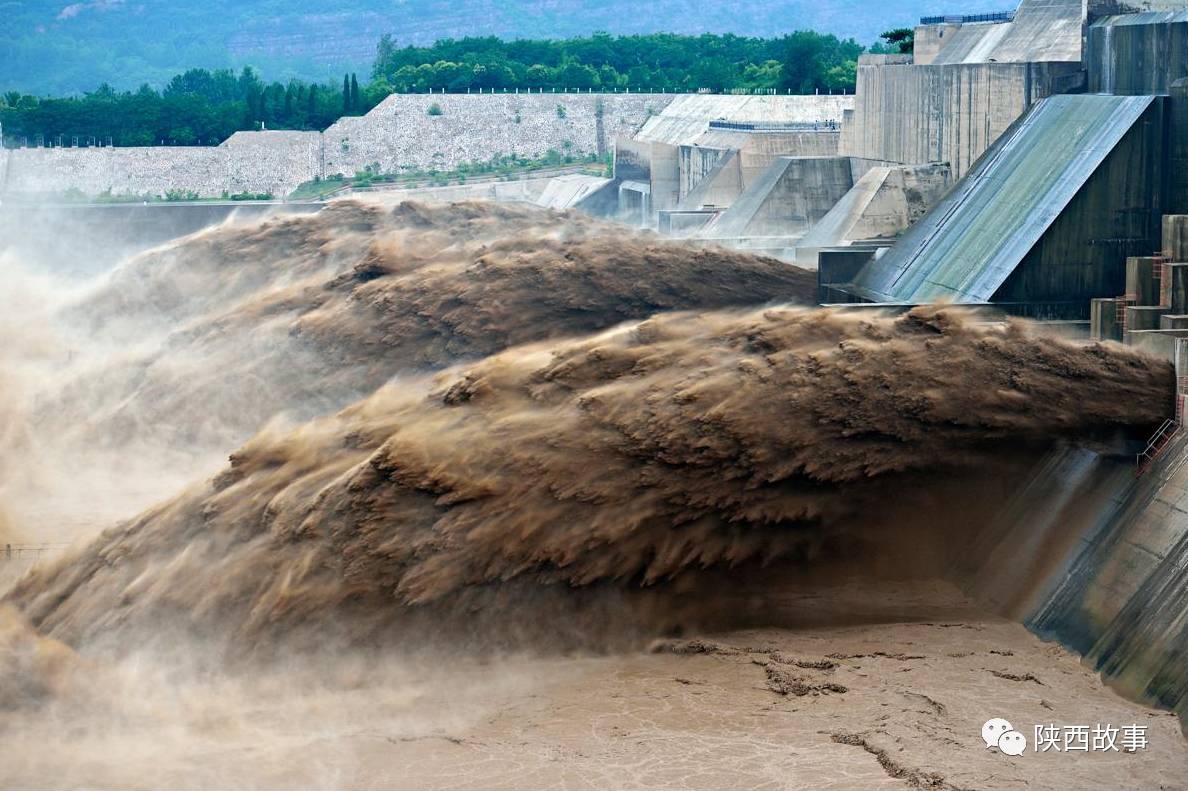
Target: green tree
{"points": [[902, 39], [655, 61], [577, 76], [716, 74], [761, 76], [842, 77], [802, 68]]}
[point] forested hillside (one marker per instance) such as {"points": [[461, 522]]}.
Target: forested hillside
{"points": [[51, 47]]}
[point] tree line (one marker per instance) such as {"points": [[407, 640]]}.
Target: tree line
{"points": [[204, 107], [801, 62], [199, 107]]}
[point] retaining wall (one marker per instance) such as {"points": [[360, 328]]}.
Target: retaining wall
{"points": [[920, 114], [272, 162], [397, 136], [1139, 54], [401, 134]]}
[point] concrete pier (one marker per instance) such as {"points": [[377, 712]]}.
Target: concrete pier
{"points": [[1103, 320], [1175, 237], [1144, 317], [1174, 287], [1142, 280]]}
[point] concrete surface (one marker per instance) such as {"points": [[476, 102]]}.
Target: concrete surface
{"points": [[791, 196], [687, 117], [1043, 30], [883, 203], [966, 249], [1138, 53], [951, 113]]}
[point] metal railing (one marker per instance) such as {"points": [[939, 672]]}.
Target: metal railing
{"points": [[9, 552], [1155, 447], [456, 180], [962, 19], [776, 126]]}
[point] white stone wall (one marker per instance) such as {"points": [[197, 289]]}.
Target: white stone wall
{"points": [[397, 136], [118, 170], [273, 162], [401, 134], [283, 159]]}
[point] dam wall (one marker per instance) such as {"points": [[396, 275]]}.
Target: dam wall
{"points": [[406, 132], [885, 201], [1114, 588], [915, 115], [1041, 31], [1092, 550], [1046, 220], [1138, 53], [1087, 554]]}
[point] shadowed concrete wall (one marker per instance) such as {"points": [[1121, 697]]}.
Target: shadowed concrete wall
{"points": [[884, 202], [1116, 215], [666, 176], [719, 187], [697, 163], [793, 194], [633, 160], [1137, 55], [1175, 236], [1178, 167], [1090, 556], [920, 114], [746, 154]]}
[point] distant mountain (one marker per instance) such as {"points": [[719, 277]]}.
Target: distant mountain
{"points": [[53, 47]]}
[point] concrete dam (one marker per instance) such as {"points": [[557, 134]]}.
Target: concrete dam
{"points": [[1055, 138]]}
